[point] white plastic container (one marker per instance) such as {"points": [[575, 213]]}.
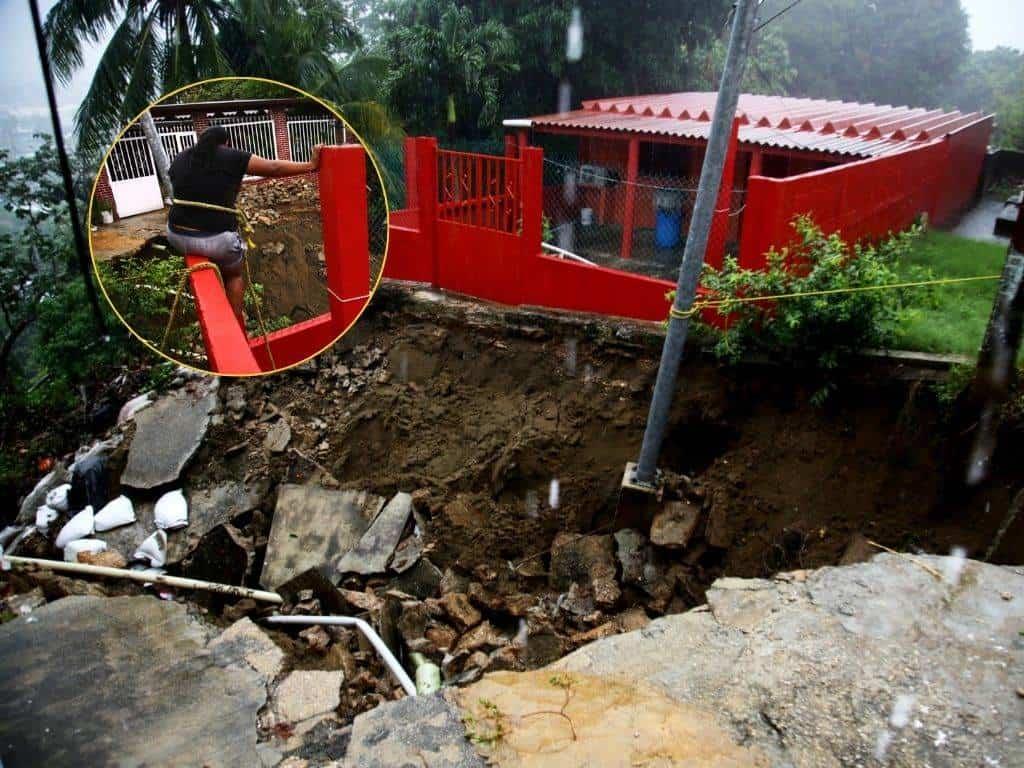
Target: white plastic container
{"points": [[75, 548]]}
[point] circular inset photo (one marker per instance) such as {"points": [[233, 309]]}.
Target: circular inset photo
{"points": [[238, 226]]}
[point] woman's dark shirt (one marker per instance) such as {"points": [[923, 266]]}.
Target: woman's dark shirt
{"points": [[207, 179]]}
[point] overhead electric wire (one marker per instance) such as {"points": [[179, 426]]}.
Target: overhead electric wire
{"points": [[784, 11]]}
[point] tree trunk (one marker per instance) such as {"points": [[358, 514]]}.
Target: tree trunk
{"points": [[156, 147]]}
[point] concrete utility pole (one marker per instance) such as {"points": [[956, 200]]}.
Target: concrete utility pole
{"points": [[643, 475], [84, 262], [156, 148]]}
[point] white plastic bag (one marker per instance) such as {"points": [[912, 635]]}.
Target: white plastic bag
{"points": [[57, 498], [115, 514], [44, 516], [171, 511], [153, 550], [78, 527]]}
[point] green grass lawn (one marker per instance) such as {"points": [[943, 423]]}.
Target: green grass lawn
{"points": [[955, 323]]}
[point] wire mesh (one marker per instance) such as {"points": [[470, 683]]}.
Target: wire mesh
{"points": [[592, 212]]}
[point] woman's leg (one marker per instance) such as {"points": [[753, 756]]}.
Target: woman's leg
{"points": [[235, 288]]}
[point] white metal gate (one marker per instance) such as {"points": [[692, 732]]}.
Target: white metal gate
{"points": [[305, 133], [132, 175], [176, 136], [250, 133]]}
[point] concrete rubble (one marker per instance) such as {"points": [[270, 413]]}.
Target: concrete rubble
{"points": [[879, 663], [168, 434]]}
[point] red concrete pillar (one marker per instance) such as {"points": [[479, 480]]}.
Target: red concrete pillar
{"points": [[532, 192], [715, 253], [632, 169], [343, 216], [511, 146], [756, 163], [280, 118], [426, 195]]}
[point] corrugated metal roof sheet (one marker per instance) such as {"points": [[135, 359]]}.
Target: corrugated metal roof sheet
{"points": [[834, 127]]}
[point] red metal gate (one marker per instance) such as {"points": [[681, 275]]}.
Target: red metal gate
{"points": [[480, 190]]}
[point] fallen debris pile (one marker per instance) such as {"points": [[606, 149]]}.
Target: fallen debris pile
{"points": [[454, 485]]}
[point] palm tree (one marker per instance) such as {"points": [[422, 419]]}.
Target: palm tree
{"points": [[155, 46], [466, 59]]}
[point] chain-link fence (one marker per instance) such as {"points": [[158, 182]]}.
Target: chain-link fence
{"points": [[593, 212]]}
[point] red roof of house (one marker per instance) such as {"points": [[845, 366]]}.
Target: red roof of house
{"points": [[836, 127]]}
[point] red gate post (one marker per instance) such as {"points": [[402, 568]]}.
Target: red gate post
{"points": [[532, 192], [715, 254], [427, 196], [343, 215], [632, 167]]}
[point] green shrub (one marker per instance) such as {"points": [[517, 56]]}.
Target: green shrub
{"points": [[822, 331]]}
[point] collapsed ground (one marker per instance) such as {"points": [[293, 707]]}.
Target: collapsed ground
{"points": [[475, 411]]}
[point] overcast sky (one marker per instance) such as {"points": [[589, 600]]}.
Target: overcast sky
{"points": [[993, 23]]}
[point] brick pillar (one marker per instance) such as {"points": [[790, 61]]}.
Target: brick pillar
{"points": [[200, 122], [280, 119], [104, 192]]}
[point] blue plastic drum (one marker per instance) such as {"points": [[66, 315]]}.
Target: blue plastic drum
{"points": [[667, 225]]}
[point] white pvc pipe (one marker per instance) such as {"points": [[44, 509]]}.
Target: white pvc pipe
{"points": [[567, 254], [35, 563], [368, 632]]}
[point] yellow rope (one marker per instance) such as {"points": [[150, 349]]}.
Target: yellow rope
{"points": [[701, 304], [246, 227], [181, 287]]}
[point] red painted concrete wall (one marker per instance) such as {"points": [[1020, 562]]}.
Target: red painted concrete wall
{"points": [[868, 199], [501, 266]]}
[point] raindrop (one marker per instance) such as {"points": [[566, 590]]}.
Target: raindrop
{"points": [[531, 503], [564, 96], [553, 493], [522, 636], [574, 36], [953, 566], [901, 710], [570, 359], [403, 367]]}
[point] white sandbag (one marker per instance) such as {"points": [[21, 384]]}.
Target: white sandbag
{"points": [[78, 527], [171, 511], [153, 550], [44, 516], [57, 498], [115, 514], [76, 547]]}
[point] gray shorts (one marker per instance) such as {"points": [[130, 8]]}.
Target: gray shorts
{"points": [[225, 249]]}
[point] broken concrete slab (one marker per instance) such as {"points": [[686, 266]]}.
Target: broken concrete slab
{"points": [[674, 524], [812, 670], [307, 695], [121, 681], [315, 527], [244, 642], [523, 719], [278, 436], [632, 552], [168, 434], [211, 507], [420, 730], [377, 545]]}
